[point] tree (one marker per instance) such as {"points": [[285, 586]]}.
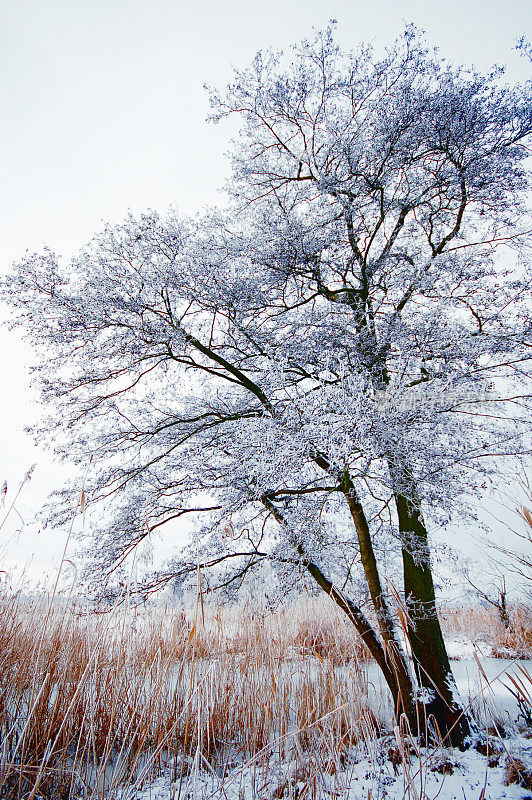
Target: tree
{"points": [[521, 558], [322, 371], [490, 588], [514, 556]]}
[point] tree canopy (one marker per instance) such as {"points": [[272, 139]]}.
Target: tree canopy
{"points": [[326, 366]]}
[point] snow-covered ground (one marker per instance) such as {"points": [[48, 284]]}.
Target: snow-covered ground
{"points": [[426, 775], [388, 768]]}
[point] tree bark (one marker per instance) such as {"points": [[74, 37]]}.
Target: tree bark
{"points": [[392, 647], [503, 610], [431, 662], [388, 653]]}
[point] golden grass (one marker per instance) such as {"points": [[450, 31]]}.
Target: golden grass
{"points": [[98, 700], [90, 702], [483, 624]]}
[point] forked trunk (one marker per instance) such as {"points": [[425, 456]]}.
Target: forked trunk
{"points": [[433, 672], [403, 689]]}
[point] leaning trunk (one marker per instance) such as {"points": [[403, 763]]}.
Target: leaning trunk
{"points": [[395, 656], [366, 633], [431, 662], [387, 653]]}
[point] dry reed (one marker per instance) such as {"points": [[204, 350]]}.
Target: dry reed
{"points": [[483, 624], [91, 701]]}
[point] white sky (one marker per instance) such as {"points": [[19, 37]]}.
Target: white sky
{"points": [[103, 111]]}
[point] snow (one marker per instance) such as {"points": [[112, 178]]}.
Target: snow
{"points": [[446, 775], [491, 684], [389, 768], [458, 649]]}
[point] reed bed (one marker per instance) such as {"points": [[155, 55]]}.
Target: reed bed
{"points": [[482, 624], [90, 702]]}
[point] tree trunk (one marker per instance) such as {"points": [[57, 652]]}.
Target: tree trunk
{"points": [[431, 662], [503, 610], [392, 647], [366, 633], [388, 653]]}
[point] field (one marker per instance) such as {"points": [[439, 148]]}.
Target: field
{"points": [[234, 702]]}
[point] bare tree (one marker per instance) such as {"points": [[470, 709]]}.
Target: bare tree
{"points": [[321, 372], [514, 556], [522, 556], [490, 588]]}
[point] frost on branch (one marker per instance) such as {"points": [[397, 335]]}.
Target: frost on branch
{"points": [[355, 327]]}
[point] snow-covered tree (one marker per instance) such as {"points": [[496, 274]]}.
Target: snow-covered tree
{"points": [[324, 369]]}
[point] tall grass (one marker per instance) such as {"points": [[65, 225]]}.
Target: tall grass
{"points": [[91, 701], [482, 624]]}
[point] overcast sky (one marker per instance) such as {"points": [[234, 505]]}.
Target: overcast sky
{"points": [[103, 111]]}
